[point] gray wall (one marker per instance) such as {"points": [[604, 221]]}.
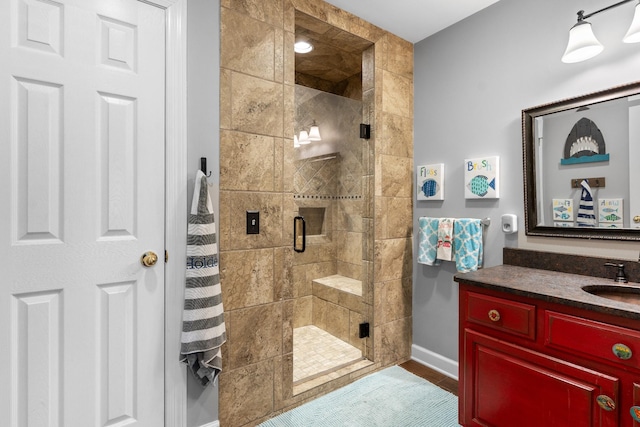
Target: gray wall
{"points": [[203, 123], [471, 82]]}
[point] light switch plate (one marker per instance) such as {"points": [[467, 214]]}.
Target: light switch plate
{"points": [[253, 222]]}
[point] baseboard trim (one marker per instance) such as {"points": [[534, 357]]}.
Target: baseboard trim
{"points": [[435, 361], [215, 423]]}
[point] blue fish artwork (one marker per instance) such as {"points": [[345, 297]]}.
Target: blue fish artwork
{"points": [[560, 209], [609, 210], [480, 184], [430, 187]]}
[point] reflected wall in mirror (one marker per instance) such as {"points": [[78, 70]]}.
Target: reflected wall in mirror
{"points": [[589, 137]]}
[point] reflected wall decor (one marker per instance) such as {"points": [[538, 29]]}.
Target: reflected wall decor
{"points": [[610, 213], [562, 209]]}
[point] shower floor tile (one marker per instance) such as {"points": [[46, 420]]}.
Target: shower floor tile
{"points": [[317, 352]]}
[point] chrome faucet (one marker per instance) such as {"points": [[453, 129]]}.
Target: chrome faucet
{"points": [[620, 276]]}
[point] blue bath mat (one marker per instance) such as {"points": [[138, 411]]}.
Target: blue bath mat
{"points": [[392, 397]]}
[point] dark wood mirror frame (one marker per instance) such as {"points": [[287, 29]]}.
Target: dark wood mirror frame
{"points": [[532, 228]]}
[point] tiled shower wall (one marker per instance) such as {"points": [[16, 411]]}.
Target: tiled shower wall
{"points": [[256, 150], [329, 174], [333, 177]]}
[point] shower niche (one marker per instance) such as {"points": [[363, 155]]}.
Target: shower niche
{"points": [[332, 283], [314, 218]]}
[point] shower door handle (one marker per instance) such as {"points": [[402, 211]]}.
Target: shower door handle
{"points": [[299, 234]]}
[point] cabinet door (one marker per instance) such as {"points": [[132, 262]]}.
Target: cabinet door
{"points": [[505, 385]]}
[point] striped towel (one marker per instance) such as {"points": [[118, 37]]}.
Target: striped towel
{"points": [[586, 217], [203, 328]]}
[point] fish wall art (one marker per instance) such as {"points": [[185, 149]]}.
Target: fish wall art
{"points": [[610, 211], [481, 178], [563, 209], [430, 182]]}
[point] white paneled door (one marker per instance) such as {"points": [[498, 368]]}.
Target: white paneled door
{"points": [[82, 134]]}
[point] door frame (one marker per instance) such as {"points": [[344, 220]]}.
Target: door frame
{"points": [[634, 151], [175, 373]]}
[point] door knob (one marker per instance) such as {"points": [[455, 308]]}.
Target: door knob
{"points": [[149, 259], [636, 218]]}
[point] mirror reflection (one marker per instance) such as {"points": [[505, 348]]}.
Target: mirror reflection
{"points": [[581, 162]]}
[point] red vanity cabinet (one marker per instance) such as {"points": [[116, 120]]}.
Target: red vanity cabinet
{"points": [[527, 362]]}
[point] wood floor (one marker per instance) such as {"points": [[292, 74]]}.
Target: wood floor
{"points": [[434, 377]]}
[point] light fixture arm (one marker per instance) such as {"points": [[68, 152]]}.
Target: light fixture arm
{"points": [[582, 16], [583, 44]]}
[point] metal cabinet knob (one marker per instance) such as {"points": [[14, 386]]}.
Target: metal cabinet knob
{"points": [[494, 315], [636, 218], [149, 259]]}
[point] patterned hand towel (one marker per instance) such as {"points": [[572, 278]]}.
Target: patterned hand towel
{"points": [[203, 328], [586, 217], [428, 241], [445, 231], [467, 243]]}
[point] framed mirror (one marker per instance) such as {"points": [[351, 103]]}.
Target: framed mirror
{"points": [[582, 166]]}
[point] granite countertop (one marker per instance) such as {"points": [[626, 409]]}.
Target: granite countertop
{"points": [[551, 286]]}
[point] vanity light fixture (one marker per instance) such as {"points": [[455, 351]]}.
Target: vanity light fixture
{"points": [[583, 44], [633, 35], [307, 137], [303, 139], [302, 46], [314, 132]]}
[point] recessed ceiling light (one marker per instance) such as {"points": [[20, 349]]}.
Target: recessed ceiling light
{"points": [[302, 47]]}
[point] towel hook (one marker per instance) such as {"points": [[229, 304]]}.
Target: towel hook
{"points": [[203, 167]]}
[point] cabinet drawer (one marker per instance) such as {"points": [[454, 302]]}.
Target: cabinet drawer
{"points": [[578, 336], [502, 314]]}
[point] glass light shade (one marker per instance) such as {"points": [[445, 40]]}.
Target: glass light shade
{"points": [[296, 143], [314, 133], [633, 35], [582, 45], [304, 138]]}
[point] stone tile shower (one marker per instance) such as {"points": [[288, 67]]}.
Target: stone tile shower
{"points": [[328, 192], [264, 299]]}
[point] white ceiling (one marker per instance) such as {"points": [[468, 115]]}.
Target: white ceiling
{"points": [[413, 20]]}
